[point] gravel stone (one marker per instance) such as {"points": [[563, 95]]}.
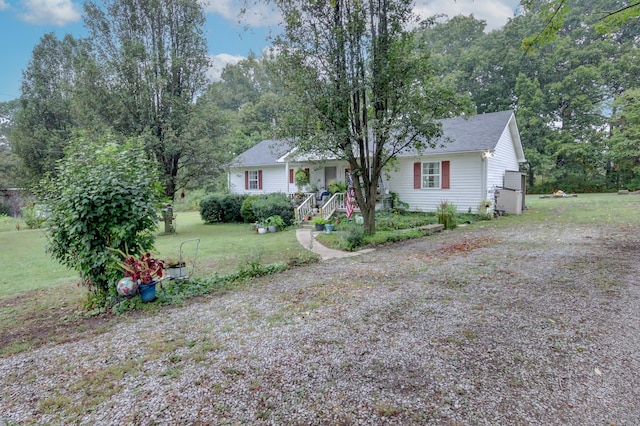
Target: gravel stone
{"points": [[483, 325]]}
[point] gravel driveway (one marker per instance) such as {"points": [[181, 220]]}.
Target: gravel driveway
{"points": [[491, 325]]}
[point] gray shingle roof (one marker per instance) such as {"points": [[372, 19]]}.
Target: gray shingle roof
{"points": [[471, 134], [264, 153]]}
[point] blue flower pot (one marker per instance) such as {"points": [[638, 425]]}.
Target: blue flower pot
{"points": [[147, 291]]}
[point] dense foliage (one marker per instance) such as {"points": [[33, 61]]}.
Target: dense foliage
{"points": [[102, 198], [566, 93], [222, 208]]}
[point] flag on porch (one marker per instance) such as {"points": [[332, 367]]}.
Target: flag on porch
{"points": [[351, 198]]}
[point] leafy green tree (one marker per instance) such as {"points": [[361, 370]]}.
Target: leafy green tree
{"points": [[562, 92], [47, 119], [103, 197], [606, 16], [362, 93], [625, 141], [8, 160], [153, 56]]}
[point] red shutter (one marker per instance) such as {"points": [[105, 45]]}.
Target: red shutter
{"points": [[417, 175], [290, 175], [259, 179], [246, 179], [306, 171], [445, 174]]}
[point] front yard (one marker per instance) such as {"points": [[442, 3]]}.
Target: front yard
{"points": [[522, 320]]}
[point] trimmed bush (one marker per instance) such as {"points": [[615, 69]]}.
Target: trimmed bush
{"points": [[247, 209], [231, 207], [222, 208], [211, 209], [274, 204]]}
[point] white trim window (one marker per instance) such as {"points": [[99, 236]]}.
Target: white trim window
{"points": [[431, 175], [253, 179]]}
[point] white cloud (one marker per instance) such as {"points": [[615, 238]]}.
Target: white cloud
{"points": [[256, 12], [494, 12], [218, 62], [56, 12], [4, 5]]}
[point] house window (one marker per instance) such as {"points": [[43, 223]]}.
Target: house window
{"points": [[253, 179], [431, 175]]}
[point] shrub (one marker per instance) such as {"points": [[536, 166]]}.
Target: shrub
{"points": [[222, 208], [353, 237], [4, 210], [273, 204], [246, 211], [232, 207], [103, 197], [210, 209]]}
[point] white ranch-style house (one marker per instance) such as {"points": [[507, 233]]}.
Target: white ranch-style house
{"points": [[470, 163]]}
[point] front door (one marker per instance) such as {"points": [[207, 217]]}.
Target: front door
{"points": [[330, 175]]}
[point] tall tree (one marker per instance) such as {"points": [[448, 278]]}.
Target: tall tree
{"points": [[8, 159], [363, 92], [47, 117], [605, 16], [625, 141], [154, 58]]}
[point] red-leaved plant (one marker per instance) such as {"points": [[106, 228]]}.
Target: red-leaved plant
{"points": [[143, 269]]}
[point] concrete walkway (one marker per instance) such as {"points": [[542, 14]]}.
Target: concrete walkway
{"points": [[306, 237]]}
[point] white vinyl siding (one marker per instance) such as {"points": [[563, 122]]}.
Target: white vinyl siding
{"points": [[464, 183], [504, 158]]}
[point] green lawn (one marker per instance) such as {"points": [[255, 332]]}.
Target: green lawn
{"points": [[223, 247]]}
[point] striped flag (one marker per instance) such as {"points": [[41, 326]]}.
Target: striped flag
{"points": [[351, 198]]}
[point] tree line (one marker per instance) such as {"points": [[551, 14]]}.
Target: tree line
{"points": [[141, 73]]}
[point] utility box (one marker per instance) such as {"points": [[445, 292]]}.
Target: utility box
{"points": [[509, 201], [517, 181]]}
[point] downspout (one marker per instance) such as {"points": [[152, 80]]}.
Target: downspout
{"points": [[483, 185]]}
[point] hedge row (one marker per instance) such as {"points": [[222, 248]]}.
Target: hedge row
{"points": [[246, 208]]}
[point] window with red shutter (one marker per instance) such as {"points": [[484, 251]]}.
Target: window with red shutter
{"points": [[431, 175]]}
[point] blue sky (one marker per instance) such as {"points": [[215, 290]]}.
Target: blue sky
{"points": [[24, 22]]}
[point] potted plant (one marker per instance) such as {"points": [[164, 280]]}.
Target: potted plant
{"points": [[144, 270], [176, 268], [328, 227], [337, 186], [275, 223], [319, 222], [301, 179], [260, 227]]}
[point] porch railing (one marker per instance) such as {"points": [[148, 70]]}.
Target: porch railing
{"points": [[306, 208], [332, 204]]}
